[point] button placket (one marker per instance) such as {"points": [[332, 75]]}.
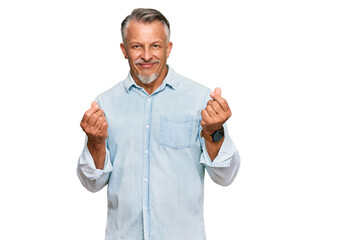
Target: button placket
{"points": [[146, 180]]}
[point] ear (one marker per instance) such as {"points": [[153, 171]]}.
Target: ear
{"points": [[124, 50], [169, 48]]}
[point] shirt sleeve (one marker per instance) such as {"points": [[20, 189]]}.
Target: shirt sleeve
{"points": [[225, 166], [92, 178]]}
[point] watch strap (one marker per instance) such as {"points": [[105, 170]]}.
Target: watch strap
{"points": [[206, 137], [209, 138]]}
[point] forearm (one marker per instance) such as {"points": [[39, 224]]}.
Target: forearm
{"points": [[92, 178], [222, 164], [98, 152], [213, 148]]}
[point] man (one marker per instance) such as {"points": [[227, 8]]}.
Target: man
{"points": [[151, 137]]}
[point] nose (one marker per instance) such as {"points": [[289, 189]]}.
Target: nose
{"points": [[146, 54]]}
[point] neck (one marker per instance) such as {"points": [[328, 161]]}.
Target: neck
{"points": [[151, 87]]}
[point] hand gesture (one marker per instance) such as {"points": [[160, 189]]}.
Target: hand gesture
{"points": [[94, 124], [216, 113]]}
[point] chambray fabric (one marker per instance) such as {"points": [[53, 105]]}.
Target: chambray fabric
{"points": [[156, 160]]}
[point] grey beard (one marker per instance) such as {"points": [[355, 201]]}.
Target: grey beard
{"points": [[147, 79]]}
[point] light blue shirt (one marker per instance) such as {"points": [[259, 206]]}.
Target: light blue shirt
{"points": [[156, 160]]}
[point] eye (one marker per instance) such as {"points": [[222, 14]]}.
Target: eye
{"points": [[136, 46], [156, 46]]}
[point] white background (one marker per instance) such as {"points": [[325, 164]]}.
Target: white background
{"points": [[290, 71]]}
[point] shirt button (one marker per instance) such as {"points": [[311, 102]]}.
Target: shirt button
{"points": [[146, 208], [147, 126], [149, 100], [145, 179], [146, 151]]}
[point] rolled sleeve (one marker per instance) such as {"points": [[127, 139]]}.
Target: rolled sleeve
{"points": [[92, 178], [225, 166], [87, 166]]}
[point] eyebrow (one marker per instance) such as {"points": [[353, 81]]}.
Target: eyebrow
{"points": [[135, 42], [131, 43]]}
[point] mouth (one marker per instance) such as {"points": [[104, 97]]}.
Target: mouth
{"points": [[145, 64]]}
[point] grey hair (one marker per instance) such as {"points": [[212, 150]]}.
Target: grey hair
{"points": [[145, 15]]}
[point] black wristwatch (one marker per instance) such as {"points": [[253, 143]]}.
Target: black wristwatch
{"points": [[214, 137]]}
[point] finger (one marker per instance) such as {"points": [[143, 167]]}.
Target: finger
{"points": [[222, 102], [211, 111], [104, 126], [99, 122], [94, 117], [88, 114], [203, 123], [216, 107], [217, 91], [94, 107], [95, 104], [205, 116]]}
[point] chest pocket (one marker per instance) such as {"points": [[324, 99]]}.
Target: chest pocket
{"points": [[176, 130]]}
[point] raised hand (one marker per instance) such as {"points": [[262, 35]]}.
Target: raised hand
{"points": [[95, 126], [216, 113]]}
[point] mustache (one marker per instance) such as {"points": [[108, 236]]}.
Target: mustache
{"points": [[141, 61]]}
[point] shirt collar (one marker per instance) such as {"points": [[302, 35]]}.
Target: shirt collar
{"points": [[171, 79]]}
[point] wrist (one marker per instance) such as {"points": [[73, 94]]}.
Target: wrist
{"points": [[96, 144], [214, 136], [207, 132], [98, 152]]}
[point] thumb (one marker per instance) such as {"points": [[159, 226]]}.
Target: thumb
{"points": [[217, 91], [95, 104]]}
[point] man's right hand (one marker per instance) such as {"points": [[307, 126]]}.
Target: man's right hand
{"points": [[95, 126]]}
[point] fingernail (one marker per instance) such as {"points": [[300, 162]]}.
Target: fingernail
{"points": [[96, 106], [212, 94]]}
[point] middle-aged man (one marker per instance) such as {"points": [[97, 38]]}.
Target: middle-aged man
{"points": [[151, 137]]}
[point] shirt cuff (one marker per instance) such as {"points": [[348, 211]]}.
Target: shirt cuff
{"points": [[225, 154], [87, 166]]}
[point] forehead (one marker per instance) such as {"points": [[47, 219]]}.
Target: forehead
{"points": [[138, 31]]}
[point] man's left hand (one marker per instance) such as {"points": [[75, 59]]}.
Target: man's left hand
{"points": [[216, 113]]}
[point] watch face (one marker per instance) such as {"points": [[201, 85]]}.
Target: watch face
{"points": [[218, 135]]}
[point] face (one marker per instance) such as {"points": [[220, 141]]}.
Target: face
{"points": [[147, 50]]}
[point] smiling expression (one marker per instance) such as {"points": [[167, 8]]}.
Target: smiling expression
{"points": [[147, 49]]}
